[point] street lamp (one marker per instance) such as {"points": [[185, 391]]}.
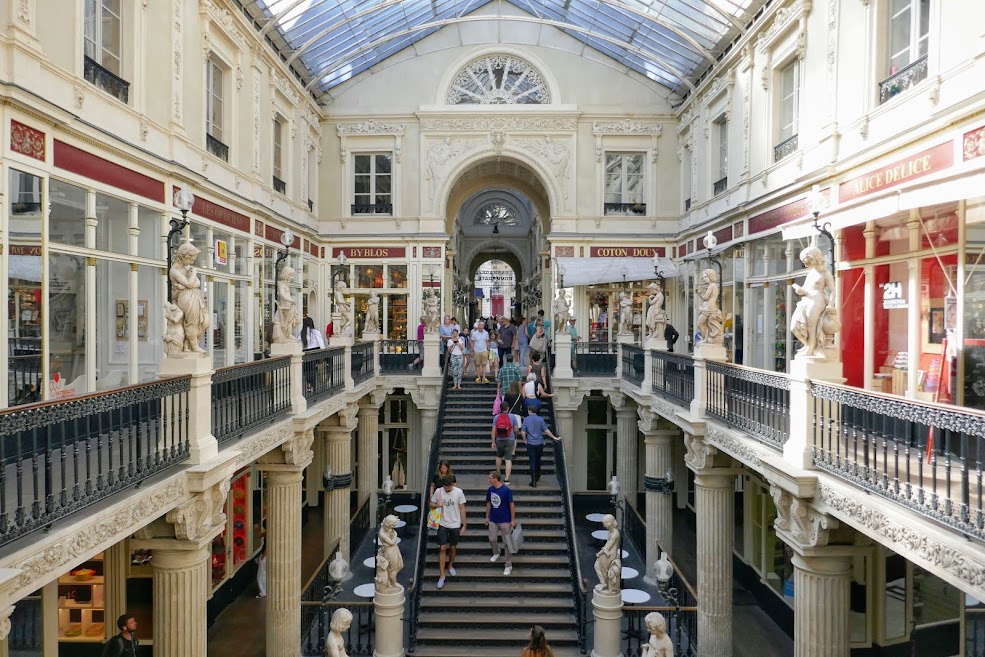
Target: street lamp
{"points": [[286, 239], [340, 272], [619, 511], [814, 201], [431, 269], [624, 270], [560, 274], [381, 508], [710, 242], [660, 277], [184, 200]]}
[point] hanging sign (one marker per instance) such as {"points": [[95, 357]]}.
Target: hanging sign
{"points": [[221, 253], [892, 296]]}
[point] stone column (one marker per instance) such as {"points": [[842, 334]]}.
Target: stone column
{"points": [[429, 425], [181, 587], [627, 449], [203, 445], [566, 429], [115, 562], [338, 449], [714, 492], [821, 604], [798, 450], [607, 609], [659, 496], [389, 609], [369, 456], [284, 468]]}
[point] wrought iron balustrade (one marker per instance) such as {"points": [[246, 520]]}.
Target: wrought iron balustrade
{"points": [[362, 361], [687, 204], [217, 148], [673, 377], [323, 373], [316, 622], [372, 208], [784, 148], [751, 400], [633, 368], [58, 457], [594, 358], [925, 456], [250, 395], [101, 77], [903, 79], [720, 186], [280, 186], [398, 356], [624, 208]]}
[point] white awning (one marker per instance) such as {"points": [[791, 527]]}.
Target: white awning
{"points": [[596, 271]]}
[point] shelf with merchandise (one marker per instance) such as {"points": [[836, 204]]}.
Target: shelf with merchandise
{"points": [[81, 603]]}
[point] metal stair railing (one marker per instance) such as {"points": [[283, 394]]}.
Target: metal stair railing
{"points": [[414, 600], [578, 583]]}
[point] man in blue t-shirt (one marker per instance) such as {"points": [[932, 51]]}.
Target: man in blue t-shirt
{"points": [[500, 518], [533, 430]]}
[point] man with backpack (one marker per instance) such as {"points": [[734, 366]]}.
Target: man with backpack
{"points": [[123, 644], [505, 427]]}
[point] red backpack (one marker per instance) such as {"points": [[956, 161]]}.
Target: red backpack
{"points": [[504, 425]]}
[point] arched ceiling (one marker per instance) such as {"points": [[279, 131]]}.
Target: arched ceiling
{"points": [[330, 41], [500, 173]]}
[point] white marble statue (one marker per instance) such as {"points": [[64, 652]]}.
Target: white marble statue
{"points": [[174, 336], [663, 569], [659, 644], [432, 311], [286, 319], [188, 297], [710, 318], [343, 308], [656, 316], [608, 561], [625, 313], [815, 320], [372, 324], [388, 558], [561, 312], [335, 644]]}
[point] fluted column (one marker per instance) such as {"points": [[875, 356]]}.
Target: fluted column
{"points": [[284, 560], [627, 450], [715, 510], [821, 604], [369, 456], [338, 446], [659, 497], [115, 562], [181, 588]]}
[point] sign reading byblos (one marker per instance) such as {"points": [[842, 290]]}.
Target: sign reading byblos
{"points": [[374, 252]]}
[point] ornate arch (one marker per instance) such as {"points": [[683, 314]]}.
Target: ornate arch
{"points": [[446, 88]]}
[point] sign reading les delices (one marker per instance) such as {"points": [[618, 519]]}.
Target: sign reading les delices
{"points": [[370, 252], [625, 251], [895, 173]]}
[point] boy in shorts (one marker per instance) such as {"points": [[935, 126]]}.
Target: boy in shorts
{"points": [[451, 499]]}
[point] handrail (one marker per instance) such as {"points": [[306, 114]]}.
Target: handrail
{"points": [[642, 548], [422, 530], [578, 582]]}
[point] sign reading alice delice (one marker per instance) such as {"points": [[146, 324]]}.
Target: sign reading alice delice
{"points": [[896, 173]]}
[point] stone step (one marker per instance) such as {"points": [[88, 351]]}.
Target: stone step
{"points": [[518, 589], [505, 605], [555, 550], [492, 574], [488, 637], [503, 619], [531, 534], [489, 651], [479, 558]]}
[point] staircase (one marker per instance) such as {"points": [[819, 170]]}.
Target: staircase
{"points": [[481, 612]]}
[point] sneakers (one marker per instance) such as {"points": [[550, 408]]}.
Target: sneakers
{"points": [[441, 583], [484, 380], [506, 481], [507, 570], [533, 483], [494, 558], [478, 380], [451, 571]]}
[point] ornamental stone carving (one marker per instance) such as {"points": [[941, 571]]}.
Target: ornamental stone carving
{"points": [[298, 450], [556, 156], [498, 80], [796, 518], [626, 126], [734, 446], [202, 515], [441, 156], [500, 124], [646, 419], [698, 454]]}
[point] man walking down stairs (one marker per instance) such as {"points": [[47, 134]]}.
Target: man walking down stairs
{"points": [[482, 610]]}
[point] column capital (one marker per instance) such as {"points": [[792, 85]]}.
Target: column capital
{"points": [[705, 459], [191, 524], [798, 523], [646, 419], [831, 561], [294, 454], [426, 397]]}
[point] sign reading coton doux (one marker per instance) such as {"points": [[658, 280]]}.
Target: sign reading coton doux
{"points": [[625, 251], [896, 173], [370, 252]]}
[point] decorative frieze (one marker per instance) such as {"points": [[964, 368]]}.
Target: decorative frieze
{"points": [[26, 140], [200, 516], [734, 446], [491, 123]]}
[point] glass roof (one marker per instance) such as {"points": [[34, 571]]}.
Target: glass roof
{"points": [[330, 41]]}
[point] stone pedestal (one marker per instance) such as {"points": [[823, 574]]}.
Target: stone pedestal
{"points": [[371, 336], [368, 455], [821, 603], [293, 349], [284, 560], [607, 608], [715, 512], [202, 444], [389, 609], [181, 586], [656, 344], [432, 360], [338, 449], [340, 341], [627, 448], [706, 351], [702, 354], [798, 450], [659, 505], [562, 356]]}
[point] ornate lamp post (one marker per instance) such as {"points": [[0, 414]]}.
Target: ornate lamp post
{"points": [[184, 200], [286, 239], [710, 242], [387, 489], [814, 202]]}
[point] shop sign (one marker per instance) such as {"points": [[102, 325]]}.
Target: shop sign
{"points": [[374, 252], [625, 251], [221, 252], [892, 296], [896, 173]]}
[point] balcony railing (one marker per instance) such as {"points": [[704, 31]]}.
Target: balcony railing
{"points": [[903, 79], [720, 186], [750, 400], [280, 186], [784, 148], [362, 362], [673, 377], [687, 204], [372, 208], [624, 208], [925, 456], [594, 358], [323, 372], [217, 148], [633, 369], [104, 79], [399, 356], [58, 457], [248, 396]]}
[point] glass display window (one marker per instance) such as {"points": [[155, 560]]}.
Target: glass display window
{"points": [[113, 224], [66, 328], [394, 421], [150, 244], [81, 603], [397, 277], [369, 276], [66, 220], [239, 490]]}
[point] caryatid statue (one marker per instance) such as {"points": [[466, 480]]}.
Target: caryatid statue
{"points": [[189, 298], [815, 320]]}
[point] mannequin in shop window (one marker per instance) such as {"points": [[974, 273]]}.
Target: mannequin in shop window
{"points": [[815, 319]]}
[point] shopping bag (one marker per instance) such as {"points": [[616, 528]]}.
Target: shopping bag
{"points": [[498, 402], [514, 540], [434, 518]]}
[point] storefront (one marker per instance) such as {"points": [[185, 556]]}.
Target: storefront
{"points": [[383, 270]]}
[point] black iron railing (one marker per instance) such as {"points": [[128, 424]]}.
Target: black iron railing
{"points": [[217, 148], [399, 356], [311, 205], [908, 76], [633, 368], [250, 395], [687, 204], [61, 456], [280, 186], [624, 208], [316, 618], [106, 80], [372, 208], [319, 585], [323, 373], [925, 456], [362, 361], [24, 363], [673, 376], [750, 400], [594, 358], [360, 522], [784, 148], [720, 185]]}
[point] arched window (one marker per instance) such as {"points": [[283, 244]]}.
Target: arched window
{"points": [[498, 80], [496, 214]]}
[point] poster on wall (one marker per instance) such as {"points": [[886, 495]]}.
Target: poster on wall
{"points": [[123, 319], [221, 252], [892, 296]]}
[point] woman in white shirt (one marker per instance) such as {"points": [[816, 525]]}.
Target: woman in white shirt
{"points": [[456, 350], [310, 337]]}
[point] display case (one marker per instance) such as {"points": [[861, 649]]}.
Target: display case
{"points": [[232, 548], [81, 603]]}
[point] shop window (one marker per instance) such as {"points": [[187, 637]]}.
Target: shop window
{"points": [[149, 241], [624, 183], [221, 354], [397, 276], [66, 330], [278, 135], [908, 30], [369, 276], [102, 47], [240, 314], [115, 319], [150, 297], [721, 162], [66, 221], [113, 224], [394, 429], [24, 307], [372, 184]]}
